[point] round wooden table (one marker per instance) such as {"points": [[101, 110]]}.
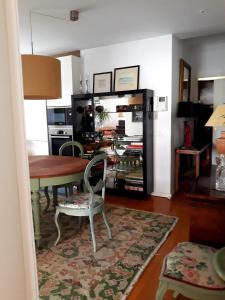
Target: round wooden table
{"points": [[50, 170]]}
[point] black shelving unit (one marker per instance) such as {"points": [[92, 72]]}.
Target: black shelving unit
{"points": [[120, 124]]}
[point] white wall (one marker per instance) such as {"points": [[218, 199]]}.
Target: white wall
{"points": [[154, 55], [180, 50], [17, 258], [207, 58]]}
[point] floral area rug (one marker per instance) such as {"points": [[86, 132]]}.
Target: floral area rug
{"points": [[71, 270]]}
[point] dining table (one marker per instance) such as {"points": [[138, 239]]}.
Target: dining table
{"points": [[51, 170]]}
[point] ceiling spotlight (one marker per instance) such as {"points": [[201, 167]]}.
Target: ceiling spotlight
{"points": [[74, 14], [204, 11]]}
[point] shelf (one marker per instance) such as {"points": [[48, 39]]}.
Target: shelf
{"points": [[123, 128]]}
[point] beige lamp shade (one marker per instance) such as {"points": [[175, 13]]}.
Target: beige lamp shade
{"points": [[217, 118], [41, 77]]}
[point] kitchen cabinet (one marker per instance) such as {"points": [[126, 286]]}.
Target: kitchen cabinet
{"points": [[36, 126], [70, 78]]}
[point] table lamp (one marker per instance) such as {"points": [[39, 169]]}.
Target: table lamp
{"points": [[217, 119]]}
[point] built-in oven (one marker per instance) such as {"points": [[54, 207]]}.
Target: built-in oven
{"points": [[57, 136], [61, 116]]}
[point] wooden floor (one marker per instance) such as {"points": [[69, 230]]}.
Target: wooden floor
{"points": [[146, 287]]}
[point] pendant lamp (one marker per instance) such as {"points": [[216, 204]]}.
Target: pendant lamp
{"points": [[41, 75]]}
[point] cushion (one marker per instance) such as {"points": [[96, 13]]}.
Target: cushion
{"points": [[192, 264], [81, 201]]}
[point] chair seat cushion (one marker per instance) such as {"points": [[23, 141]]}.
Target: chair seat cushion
{"points": [[192, 264], [81, 201]]}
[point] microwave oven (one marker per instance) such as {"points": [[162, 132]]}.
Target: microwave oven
{"points": [[59, 116]]}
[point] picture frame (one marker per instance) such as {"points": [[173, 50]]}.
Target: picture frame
{"points": [[102, 82], [184, 81], [137, 116], [126, 78]]}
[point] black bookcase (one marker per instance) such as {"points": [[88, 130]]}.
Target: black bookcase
{"points": [[120, 124]]}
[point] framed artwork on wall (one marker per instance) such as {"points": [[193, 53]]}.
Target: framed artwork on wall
{"points": [[126, 79], [102, 82]]}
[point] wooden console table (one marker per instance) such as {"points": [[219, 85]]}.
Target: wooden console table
{"points": [[207, 223], [196, 152]]}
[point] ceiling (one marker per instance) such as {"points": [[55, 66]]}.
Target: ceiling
{"points": [[104, 22]]}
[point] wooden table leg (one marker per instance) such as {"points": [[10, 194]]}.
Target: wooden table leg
{"points": [[48, 198], [197, 165], [55, 195], [177, 171], [35, 198]]}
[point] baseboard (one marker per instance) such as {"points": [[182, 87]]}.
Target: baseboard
{"points": [[164, 195]]}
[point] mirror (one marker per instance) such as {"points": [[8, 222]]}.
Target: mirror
{"points": [[185, 81]]}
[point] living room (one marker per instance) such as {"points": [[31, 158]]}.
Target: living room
{"points": [[158, 56]]}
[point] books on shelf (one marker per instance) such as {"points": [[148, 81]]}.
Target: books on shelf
{"points": [[132, 138], [134, 188]]}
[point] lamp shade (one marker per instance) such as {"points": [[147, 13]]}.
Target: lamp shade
{"points": [[41, 77], [217, 118]]}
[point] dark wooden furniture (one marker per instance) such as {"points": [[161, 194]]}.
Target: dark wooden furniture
{"points": [[124, 121], [196, 152], [207, 223]]}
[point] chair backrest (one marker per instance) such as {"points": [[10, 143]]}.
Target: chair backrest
{"points": [[72, 144], [219, 263], [100, 185]]}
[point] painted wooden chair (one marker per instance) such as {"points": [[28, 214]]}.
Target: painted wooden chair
{"points": [[77, 150], [87, 204], [194, 271]]}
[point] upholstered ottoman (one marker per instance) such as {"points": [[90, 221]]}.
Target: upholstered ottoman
{"points": [[195, 271]]}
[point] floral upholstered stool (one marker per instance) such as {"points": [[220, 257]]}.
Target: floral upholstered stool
{"points": [[195, 271]]}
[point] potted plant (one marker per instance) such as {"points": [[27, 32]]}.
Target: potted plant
{"points": [[102, 115]]}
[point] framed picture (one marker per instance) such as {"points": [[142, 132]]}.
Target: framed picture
{"points": [[137, 116], [102, 82], [184, 81], [126, 79]]}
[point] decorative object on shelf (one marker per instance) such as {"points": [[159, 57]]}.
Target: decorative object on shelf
{"points": [[217, 119], [137, 116], [102, 114], [102, 82], [184, 81], [122, 108], [87, 84], [81, 84], [135, 100], [126, 79]]}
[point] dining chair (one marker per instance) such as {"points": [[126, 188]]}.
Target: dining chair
{"points": [[194, 271], [90, 203], [77, 150]]}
